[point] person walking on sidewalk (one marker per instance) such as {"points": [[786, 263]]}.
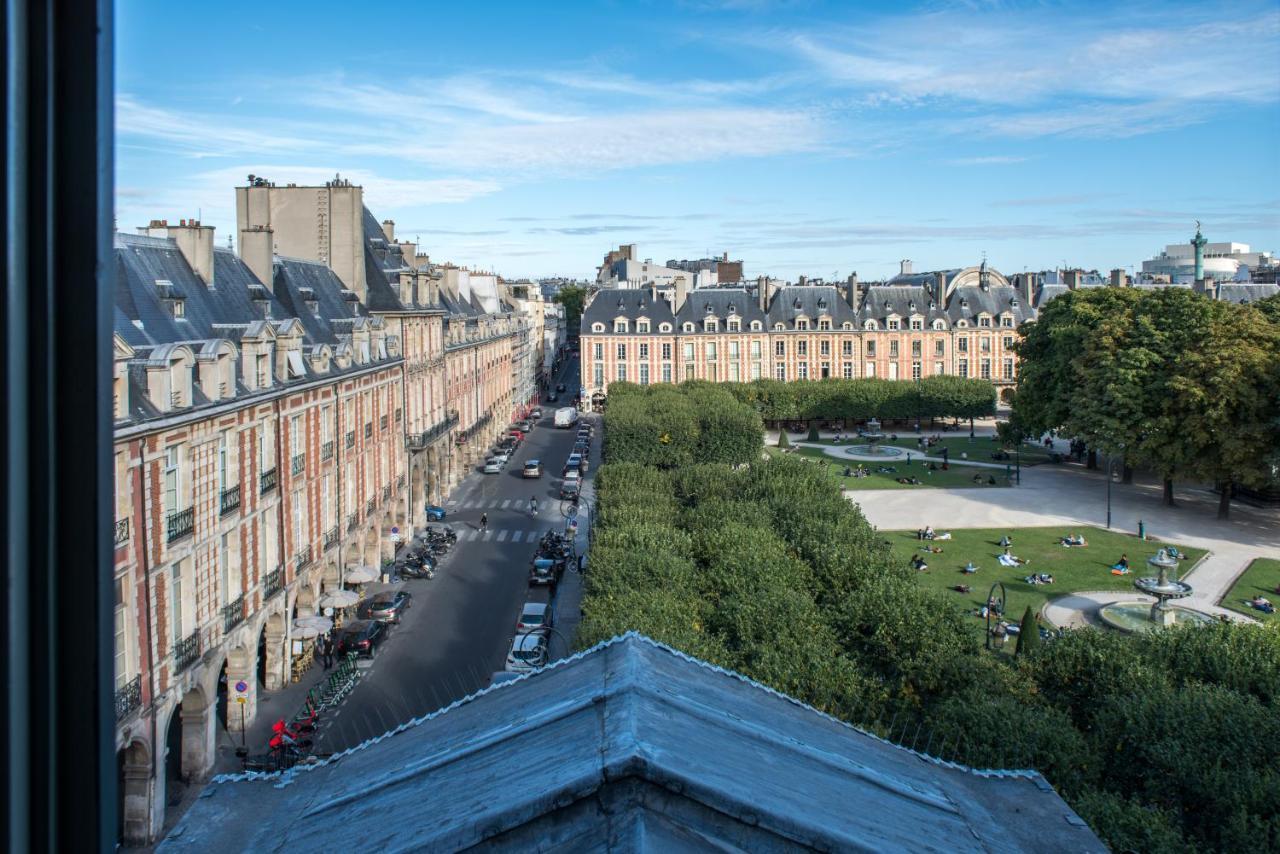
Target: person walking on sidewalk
{"points": [[484, 521], [326, 650]]}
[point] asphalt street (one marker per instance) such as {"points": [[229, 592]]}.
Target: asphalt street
{"points": [[461, 623]]}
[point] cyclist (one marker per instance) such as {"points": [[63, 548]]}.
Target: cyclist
{"points": [[484, 521]]}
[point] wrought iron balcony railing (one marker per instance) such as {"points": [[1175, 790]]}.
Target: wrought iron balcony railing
{"points": [[272, 583], [386, 493], [331, 538], [122, 531], [302, 558], [418, 441], [186, 651], [383, 423], [351, 438], [353, 519], [229, 500], [326, 450], [233, 613], [298, 463], [269, 480], [128, 698], [180, 524], [369, 507]]}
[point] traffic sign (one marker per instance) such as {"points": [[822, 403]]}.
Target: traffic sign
{"points": [[242, 700], [242, 687]]}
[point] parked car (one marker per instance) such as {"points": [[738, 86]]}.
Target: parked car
{"points": [[553, 397], [570, 490], [559, 386], [385, 607], [528, 652], [435, 513], [574, 463], [536, 413], [500, 455], [363, 637], [534, 615], [493, 465], [517, 434], [525, 426], [532, 468], [545, 570]]}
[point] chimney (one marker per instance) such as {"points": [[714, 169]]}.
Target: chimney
{"points": [[682, 291], [762, 292], [941, 287], [389, 230], [851, 291], [904, 267], [257, 251], [1024, 283], [195, 241], [1118, 278], [804, 280], [1072, 278]]}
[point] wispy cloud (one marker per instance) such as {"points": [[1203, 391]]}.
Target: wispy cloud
{"points": [[989, 160]]}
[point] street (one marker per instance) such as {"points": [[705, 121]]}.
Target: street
{"points": [[461, 623]]}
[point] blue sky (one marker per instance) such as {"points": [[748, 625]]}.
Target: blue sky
{"points": [[803, 137]]}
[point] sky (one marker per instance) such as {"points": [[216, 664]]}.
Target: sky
{"points": [[802, 137]]}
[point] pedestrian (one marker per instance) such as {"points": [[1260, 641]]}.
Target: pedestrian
{"points": [[484, 521], [326, 650]]}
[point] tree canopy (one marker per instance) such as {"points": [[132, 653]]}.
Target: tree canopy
{"points": [[572, 298]]}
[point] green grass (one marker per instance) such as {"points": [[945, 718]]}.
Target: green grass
{"points": [[979, 450], [1073, 569], [1262, 576], [958, 476]]}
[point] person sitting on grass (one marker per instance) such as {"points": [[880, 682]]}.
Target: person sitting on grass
{"points": [[918, 564], [1263, 604], [991, 480], [1073, 540], [969, 568], [977, 478], [1005, 542], [936, 550], [1007, 559], [1121, 567], [961, 588]]}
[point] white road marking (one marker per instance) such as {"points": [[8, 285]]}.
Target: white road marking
{"points": [[506, 504], [488, 535], [502, 536]]}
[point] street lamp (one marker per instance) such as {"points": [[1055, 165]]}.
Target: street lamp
{"points": [[1111, 467]]}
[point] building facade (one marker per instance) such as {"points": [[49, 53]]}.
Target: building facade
{"points": [[282, 416], [958, 322]]}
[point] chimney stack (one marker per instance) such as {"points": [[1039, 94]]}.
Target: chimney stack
{"points": [[195, 241], [904, 267], [941, 286], [851, 293], [1118, 278], [389, 230], [804, 280], [682, 291], [1072, 278], [257, 251]]}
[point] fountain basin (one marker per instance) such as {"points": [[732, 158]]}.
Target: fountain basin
{"points": [[873, 452], [1136, 616], [1165, 590]]}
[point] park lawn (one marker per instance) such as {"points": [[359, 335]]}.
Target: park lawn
{"points": [[979, 449], [1073, 569], [1262, 576], [958, 476]]}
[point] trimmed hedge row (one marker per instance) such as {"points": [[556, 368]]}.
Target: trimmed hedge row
{"points": [[860, 399]]}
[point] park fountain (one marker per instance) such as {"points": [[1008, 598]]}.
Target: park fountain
{"points": [[1139, 616], [872, 449]]}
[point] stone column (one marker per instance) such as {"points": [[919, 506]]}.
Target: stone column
{"points": [[137, 792], [276, 676], [197, 734], [242, 666]]}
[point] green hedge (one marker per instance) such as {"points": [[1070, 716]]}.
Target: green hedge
{"points": [[860, 399], [674, 426]]}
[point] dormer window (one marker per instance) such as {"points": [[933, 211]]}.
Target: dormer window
{"points": [[756, 326], [734, 325], [597, 327], [984, 320], [869, 325], [1006, 321], [964, 304], [664, 327], [179, 309], [824, 324], [797, 305], [846, 326], [932, 305], [619, 326], [710, 325], [802, 324], [688, 327], [894, 323], [940, 324], [962, 324], [917, 323], [642, 326], [1013, 302], [911, 306]]}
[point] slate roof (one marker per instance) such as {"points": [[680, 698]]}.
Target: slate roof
{"points": [[296, 279], [923, 280], [722, 302], [968, 301], [631, 747], [1048, 292], [631, 303], [1239, 292], [881, 301], [811, 301]]}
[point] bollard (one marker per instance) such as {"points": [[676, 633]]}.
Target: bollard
{"points": [[1142, 530]]}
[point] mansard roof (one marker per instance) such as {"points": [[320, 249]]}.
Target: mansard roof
{"points": [[811, 301], [968, 301], [1246, 292], [720, 302], [879, 302], [1048, 292], [298, 282], [631, 747], [604, 306]]}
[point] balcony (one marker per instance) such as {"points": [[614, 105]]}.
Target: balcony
{"points": [[269, 480], [369, 507], [233, 613], [186, 651], [229, 499], [272, 583], [326, 451], [122, 531], [351, 439], [368, 430], [297, 464], [331, 538], [128, 698], [400, 481], [302, 558], [353, 519], [418, 441], [383, 423], [180, 524]]}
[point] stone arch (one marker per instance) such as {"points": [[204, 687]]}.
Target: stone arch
{"points": [[135, 781], [189, 738], [242, 666]]}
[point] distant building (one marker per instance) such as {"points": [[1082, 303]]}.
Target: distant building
{"points": [[726, 272], [1222, 261], [622, 269], [633, 748]]}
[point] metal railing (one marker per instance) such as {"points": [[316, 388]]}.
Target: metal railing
{"points": [[268, 481], [326, 450], [386, 493], [331, 538], [229, 499], [186, 651], [353, 519], [351, 438], [273, 583], [302, 558], [400, 481], [180, 523], [472, 340], [418, 441], [369, 507], [122, 531], [233, 613], [128, 698], [383, 423], [297, 464]]}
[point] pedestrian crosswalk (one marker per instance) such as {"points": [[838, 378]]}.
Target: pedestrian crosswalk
{"points": [[546, 507], [469, 533]]}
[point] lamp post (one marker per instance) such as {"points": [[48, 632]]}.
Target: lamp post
{"points": [[1111, 467]]}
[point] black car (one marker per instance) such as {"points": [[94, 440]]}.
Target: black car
{"points": [[569, 490], [361, 637], [385, 607], [552, 398], [560, 387]]}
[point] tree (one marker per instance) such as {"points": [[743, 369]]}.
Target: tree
{"points": [[572, 298], [1028, 634], [783, 441]]}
